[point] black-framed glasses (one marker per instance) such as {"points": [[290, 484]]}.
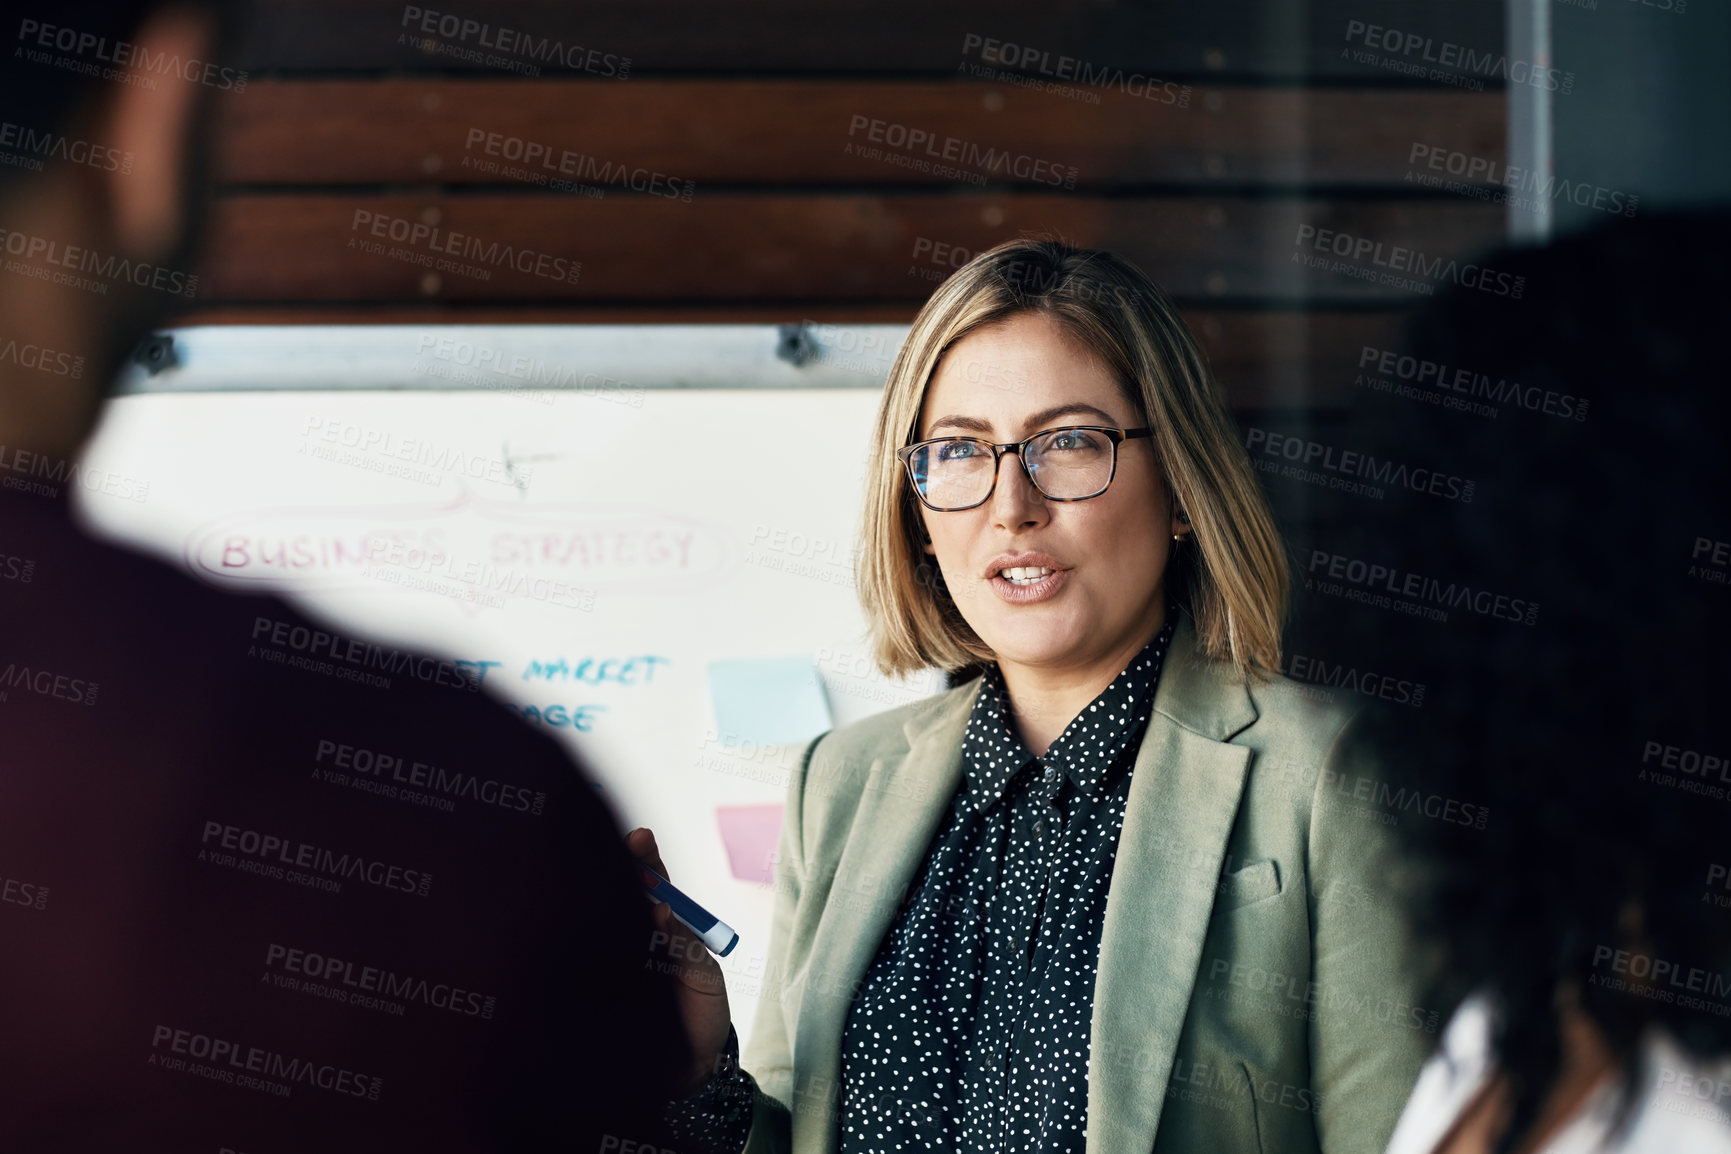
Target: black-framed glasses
{"points": [[1072, 463]]}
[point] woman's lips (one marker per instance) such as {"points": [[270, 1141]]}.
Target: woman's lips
{"points": [[1041, 590]]}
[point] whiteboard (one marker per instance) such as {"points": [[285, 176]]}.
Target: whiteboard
{"points": [[588, 547]]}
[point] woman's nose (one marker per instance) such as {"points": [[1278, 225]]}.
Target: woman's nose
{"points": [[1014, 491]]}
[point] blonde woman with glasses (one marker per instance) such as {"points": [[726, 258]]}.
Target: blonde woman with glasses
{"points": [[1106, 893]]}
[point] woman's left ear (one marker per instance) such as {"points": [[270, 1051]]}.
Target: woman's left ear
{"points": [[1180, 524]]}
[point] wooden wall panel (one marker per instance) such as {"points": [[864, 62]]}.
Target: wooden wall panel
{"points": [[717, 169], [793, 132], [1237, 39], [794, 248]]}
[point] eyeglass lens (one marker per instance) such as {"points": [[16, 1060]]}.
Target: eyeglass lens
{"points": [[1064, 464]]}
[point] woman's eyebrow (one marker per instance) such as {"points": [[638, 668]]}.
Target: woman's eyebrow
{"points": [[1033, 421]]}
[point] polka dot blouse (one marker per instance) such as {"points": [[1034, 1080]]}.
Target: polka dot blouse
{"points": [[971, 1031]]}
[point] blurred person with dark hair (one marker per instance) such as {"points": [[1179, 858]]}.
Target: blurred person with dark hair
{"points": [[222, 927], [1575, 703]]}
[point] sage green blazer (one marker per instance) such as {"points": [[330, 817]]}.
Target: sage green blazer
{"points": [[1250, 995]]}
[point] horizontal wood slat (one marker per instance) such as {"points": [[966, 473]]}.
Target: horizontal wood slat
{"points": [[1253, 39], [657, 137], [791, 249]]}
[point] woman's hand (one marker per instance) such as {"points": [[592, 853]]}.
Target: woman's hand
{"points": [[700, 991]]}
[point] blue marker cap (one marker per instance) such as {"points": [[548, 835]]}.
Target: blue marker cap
{"points": [[711, 930]]}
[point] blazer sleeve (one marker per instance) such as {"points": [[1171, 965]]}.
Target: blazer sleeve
{"points": [[769, 1056], [1368, 1038]]}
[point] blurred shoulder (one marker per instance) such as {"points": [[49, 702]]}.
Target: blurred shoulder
{"points": [[248, 672]]}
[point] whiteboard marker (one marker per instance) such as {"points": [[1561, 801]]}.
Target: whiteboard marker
{"points": [[711, 930]]}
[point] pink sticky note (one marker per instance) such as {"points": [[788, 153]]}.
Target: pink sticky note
{"points": [[749, 832]]}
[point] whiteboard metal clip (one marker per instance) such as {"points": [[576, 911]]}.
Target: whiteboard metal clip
{"points": [[794, 344], [155, 353]]}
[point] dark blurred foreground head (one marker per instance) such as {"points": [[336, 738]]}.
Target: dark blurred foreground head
{"points": [[109, 110], [1595, 729], [363, 972]]}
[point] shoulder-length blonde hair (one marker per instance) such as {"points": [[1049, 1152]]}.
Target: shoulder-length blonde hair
{"points": [[1232, 576]]}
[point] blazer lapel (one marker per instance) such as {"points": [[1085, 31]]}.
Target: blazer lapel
{"points": [[899, 809], [1184, 796]]}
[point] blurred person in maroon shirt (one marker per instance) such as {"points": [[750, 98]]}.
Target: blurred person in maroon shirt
{"points": [[251, 901]]}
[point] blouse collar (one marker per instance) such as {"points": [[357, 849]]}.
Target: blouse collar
{"points": [[993, 753]]}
